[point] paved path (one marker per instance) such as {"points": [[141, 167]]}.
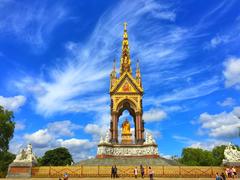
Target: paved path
{"points": [[117, 179]]}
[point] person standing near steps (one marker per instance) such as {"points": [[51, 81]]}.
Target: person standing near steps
{"points": [[151, 173], [142, 171], [135, 172]]}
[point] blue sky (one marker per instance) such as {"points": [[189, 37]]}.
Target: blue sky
{"points": [[56, 58]]}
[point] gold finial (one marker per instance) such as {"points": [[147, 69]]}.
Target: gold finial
{"points": [[137, 64], [125, 26], [114, 65]]}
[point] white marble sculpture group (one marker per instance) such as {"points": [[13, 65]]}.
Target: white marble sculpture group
{"points": [[26, 156], [106, 148], [231, 154]]}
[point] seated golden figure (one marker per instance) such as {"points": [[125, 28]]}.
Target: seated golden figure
{"points": [[126, 127], [126, 133]]}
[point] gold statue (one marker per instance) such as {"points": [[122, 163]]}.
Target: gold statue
{"points": [[126, 127]]}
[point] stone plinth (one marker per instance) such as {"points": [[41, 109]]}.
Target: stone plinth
{"points": [[106, 150], [127, 138], [20, 170]]}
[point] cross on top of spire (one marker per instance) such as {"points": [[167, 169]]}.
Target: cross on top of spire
{"points": [[125, 26]]}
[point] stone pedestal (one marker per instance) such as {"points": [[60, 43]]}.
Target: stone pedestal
{"points": [[132, 150], [127, 138], [20, 170]]}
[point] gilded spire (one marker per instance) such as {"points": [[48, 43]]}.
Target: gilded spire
{"points": [[125, 57], [138, 74], [113, 74]]}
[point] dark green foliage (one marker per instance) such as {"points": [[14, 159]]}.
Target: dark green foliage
{"points": [[6, 134], [5, 159], [56, 157], [6, 128], [218, 154], [196, 157], [200, 157]]}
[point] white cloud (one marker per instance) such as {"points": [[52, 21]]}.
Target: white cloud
{"points": [[96, 130], [232, 72], [12, 103], [62, 128], [194, 91], [40, 138], [30, 22], [216, 41], [55, 136], [224, 124], [20, 125], [78, 85], [227, 102], [207, 144], [77, 144], [154, 115]]}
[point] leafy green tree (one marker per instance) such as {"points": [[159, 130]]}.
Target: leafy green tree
{"points": [[196, 157], [56, 157], [6, 128], [6, 134], [218, 154], [5, 159]]}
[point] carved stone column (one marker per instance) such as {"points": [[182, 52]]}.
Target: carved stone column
{"points": [[114, 128], [139, 129]]}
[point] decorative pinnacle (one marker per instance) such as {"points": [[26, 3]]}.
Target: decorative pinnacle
{"points": [[125, 26], [125, 57], [114, 65], [137, 64]]}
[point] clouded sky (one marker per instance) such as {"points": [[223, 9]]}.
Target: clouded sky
{"points": [[56, 58]]}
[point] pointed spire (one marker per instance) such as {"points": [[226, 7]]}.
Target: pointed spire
{"points": [[138, 70], [138, 74], [125, 57], [114, 65], [113, 74]]}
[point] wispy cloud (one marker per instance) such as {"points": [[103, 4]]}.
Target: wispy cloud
{"points": [[207, 144], [30, 22], [78, 84], [154, 115], [12, 103], [232, 72], [186, 93], [220, 125], [227, 102], [56, 134]]}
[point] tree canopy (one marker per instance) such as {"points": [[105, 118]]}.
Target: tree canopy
{"points": [[6, 134], [6, 128], [200, 157], [196, 157], [56, 157]]}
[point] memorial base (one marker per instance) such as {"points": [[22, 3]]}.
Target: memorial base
{"points": [[20, 170], [231, 164], [127, 150]]}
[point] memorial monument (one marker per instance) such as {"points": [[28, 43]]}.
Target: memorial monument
{"points": [[23, 163], [126, 92], [231, 156]]}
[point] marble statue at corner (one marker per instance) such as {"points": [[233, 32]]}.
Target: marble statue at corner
{"points": [[106, 139], [26, 156], [231, 155], [149, 138]]}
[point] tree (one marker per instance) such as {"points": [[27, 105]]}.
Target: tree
{"points": [[5, 159], [196, 157], [218, 154], [6, 134], [6, 128], [56, 157]]}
